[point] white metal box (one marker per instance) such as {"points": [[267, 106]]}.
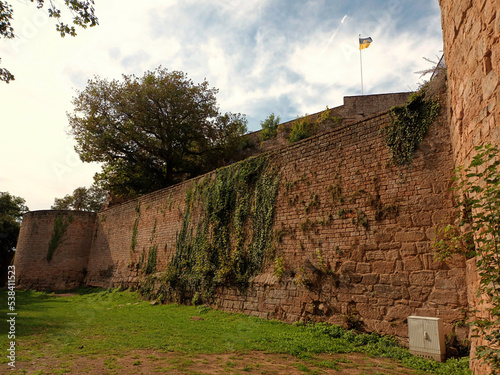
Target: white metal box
{"points": [[426, 337]]}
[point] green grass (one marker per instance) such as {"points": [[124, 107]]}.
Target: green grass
{"points": [[113, 322]]}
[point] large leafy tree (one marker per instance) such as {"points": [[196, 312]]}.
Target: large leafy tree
{"points": [[152, 131], [82, 12], [82, 199], [12, 209]]}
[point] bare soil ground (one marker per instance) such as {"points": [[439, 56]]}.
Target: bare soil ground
{"points": [[175, 363]]}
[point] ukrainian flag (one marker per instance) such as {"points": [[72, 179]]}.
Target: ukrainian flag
{"points": [[364, 42]]}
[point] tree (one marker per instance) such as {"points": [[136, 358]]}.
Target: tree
{"points": [[12, 209], [82, 199], [269, 127], [153, 131], [82, 14]]}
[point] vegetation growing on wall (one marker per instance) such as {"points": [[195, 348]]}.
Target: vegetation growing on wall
{"points": [[60, 228], [477, 233], [302, 128], [133, 242], [226, 234], [410, 123], [269, 127], [307, 126]]}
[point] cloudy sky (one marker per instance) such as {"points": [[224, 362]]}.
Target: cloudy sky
{"points": [[287, 57]]}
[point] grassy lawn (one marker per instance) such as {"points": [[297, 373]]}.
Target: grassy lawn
{"points": [[112, 332]]}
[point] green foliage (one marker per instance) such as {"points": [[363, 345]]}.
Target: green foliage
{"points": [[269, 127], [82, 13], [327, 116], [226, 233], [50, 328], [361, 219], [12, 209], [477, 233], [279, 269], [152, 131], [150, 266], [60, 228], [410, 123], [133, 242], [302, 128], [82, 199]]}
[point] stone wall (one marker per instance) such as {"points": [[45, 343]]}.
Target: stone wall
{"points": [[330, 211], [68, 266], [471, 34], [354, 233], [354, 109]]}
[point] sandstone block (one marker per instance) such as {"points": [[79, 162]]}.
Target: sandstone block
{"points": [[384, 279], [398, 312], [369, 311], [426, 311], [422, 278], [421, 219], [370, 279], [359, 298], [348, 267], [431, 263], [384, 302], [408, 249], [444, 297], [432, 203], [375, 255], [383, 267], [451, 315], [399, 278], [387, 291], [412, 236], [443, 281], [423, 247], [412, 264], [383, 237], [392, 255], [363, 268], [405, 220]]}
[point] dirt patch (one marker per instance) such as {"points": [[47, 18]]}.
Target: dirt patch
{"points": [[175, 363]]}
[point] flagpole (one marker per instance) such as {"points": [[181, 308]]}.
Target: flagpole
{"points": [[361, 65]]}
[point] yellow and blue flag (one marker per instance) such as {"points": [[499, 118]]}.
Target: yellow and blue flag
{"points": [[364, 42]]}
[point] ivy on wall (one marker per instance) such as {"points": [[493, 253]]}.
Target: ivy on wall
{"points": [[226, 234], [410, 123], [60, 228], [133, 241]]}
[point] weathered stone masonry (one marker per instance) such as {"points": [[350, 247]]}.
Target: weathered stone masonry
{"points": [[385, 271], [340, 205], [471, 35], [68, 266]]}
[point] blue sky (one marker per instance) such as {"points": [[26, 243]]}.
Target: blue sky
{"points": [[285, 57]]}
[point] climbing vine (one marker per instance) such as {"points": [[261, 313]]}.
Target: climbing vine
{"points": [[60, 228], [409, 124], [133, 242], [226, 234], [477, 233]]}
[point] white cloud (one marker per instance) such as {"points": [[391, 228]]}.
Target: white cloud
{"points": [[283, 56]]}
